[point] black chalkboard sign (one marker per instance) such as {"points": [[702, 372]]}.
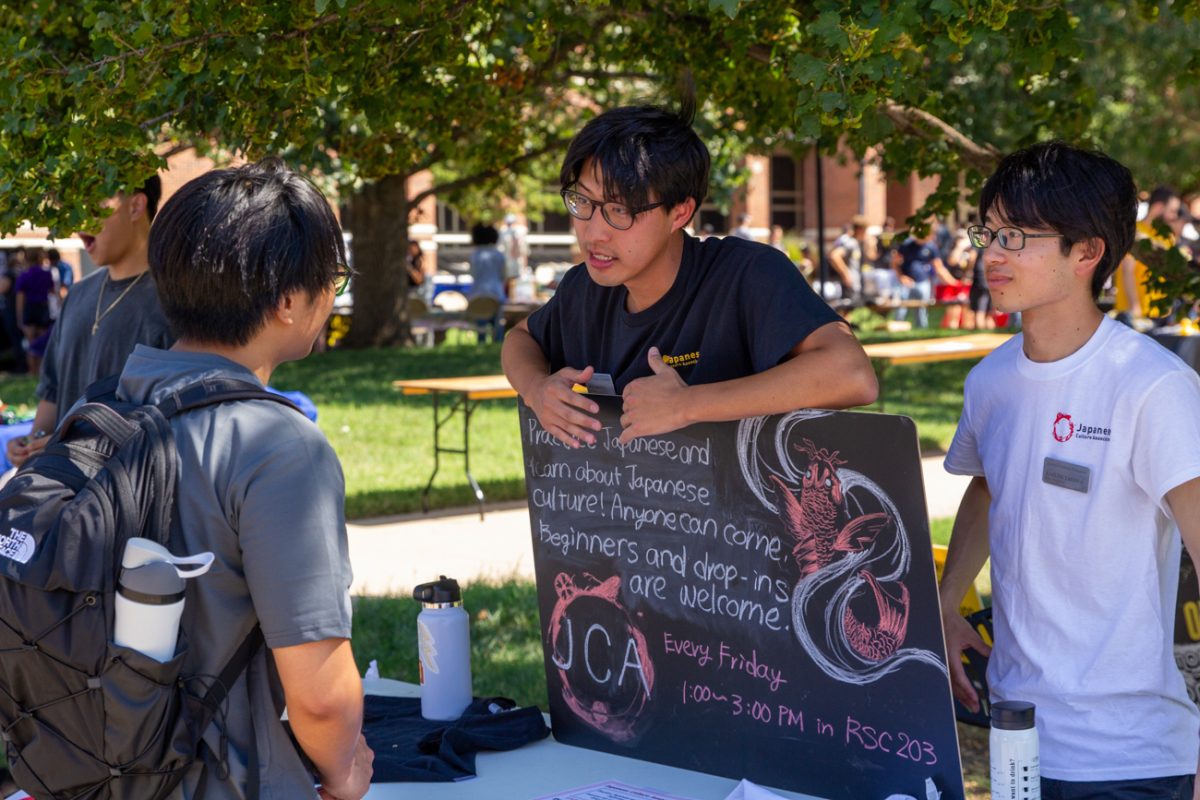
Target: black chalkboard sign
{"points": [[753, 599], [1187, 627]]}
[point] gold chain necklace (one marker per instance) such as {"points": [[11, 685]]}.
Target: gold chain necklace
{"points": [[120, 297]]}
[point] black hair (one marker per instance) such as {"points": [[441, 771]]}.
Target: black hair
{"points": [[642, 150], [1162, 194], [232, 243], [54, 255], [1082, 194], [152, 188], [484, 234]]}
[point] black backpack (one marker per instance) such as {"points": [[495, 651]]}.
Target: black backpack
{"points": [[82, 717]]}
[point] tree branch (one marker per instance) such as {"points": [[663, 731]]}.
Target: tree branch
{"points": [[907, 119], [601, 75], [161, 118], [919, 122]]}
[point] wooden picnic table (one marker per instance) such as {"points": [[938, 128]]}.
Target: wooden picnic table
{"points": [[947, 348], [923, 351], [466, 394]]}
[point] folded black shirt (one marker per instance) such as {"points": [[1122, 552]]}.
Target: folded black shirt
{"points": [[409, 747]]}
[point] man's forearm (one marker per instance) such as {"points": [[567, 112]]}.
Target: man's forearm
{"points": [[943, 273], [839, 266], [836, 374], [329, 740], [45, 417], [324, 702], [968, 550], [523, 361]]}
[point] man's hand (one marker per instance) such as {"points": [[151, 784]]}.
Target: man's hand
{"points": [[906, 281], [563, 412], [358, 782], [655, 404], [959, 636], [22, 448]]}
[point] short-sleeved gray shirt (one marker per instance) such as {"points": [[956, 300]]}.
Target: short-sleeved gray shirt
{"points": [[77, 358], [261, 488]]}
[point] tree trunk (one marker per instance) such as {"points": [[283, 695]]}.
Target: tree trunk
{"points": [[377, 215]]}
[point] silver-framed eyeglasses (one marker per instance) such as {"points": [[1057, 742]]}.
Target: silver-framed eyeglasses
{"points": [[1009, 238], [619, 215]]}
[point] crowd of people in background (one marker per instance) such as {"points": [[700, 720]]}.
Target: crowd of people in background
{"points": [[909, 272], [33, 284]]}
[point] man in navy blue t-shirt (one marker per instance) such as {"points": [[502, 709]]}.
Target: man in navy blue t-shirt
{"points": [[915, 262], [686, 330]]}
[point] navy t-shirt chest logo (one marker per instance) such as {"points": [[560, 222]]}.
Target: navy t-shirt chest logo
{"points": [[682, 359]]}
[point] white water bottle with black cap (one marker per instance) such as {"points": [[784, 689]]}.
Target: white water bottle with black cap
{"points": [[444, 647], [1016, 774], [150, 597]]}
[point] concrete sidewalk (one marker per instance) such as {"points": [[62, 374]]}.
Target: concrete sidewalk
{"points": [[392, 556]]}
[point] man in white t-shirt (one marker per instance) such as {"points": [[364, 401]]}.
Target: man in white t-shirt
{"points": [[1083, 438], [846, 256]]}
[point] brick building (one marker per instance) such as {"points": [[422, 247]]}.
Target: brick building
{"points": [[781, 190]]}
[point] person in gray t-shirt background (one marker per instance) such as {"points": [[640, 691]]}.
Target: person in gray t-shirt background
{"points": [[103, 317], [247, 262]]}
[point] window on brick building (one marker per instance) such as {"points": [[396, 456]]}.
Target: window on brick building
{"points": [[787, 193], [449, 220], [711, 215], [551, 222]]}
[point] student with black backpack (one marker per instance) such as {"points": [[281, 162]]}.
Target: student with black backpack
{"points": [[247, 262]]}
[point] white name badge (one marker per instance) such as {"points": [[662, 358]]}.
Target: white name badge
{"points": [[1075, 477]]}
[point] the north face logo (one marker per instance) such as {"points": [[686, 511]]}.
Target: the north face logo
{"points": [[1064, 428]]}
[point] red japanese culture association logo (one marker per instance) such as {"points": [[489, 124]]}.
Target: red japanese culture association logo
{"points": [[1064, 428]]}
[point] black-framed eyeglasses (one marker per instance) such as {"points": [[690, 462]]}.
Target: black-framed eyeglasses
{"points": [[619, 215], [1009, 238], [341, 279]]}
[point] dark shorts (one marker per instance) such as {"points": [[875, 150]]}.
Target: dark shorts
{"points": [[37, 314], [1177, 788], [38, 346], [980, 298]]}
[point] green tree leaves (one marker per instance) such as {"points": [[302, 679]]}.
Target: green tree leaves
{"points": [[487, 91]]}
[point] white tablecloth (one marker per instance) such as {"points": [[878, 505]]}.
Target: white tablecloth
{"points": [[545, 767]]}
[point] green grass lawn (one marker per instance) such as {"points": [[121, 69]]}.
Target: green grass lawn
{"points": [[385, 440], [931, 394]]}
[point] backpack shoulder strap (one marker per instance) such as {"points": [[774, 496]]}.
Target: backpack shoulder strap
{"points": [[212, 391], [214, 700], [96, 409], [102, 390]]}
